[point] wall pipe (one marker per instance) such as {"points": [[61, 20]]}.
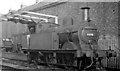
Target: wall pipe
{"points": [[46, 20], [50, 16]]}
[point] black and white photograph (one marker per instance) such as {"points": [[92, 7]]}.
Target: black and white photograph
{"points": [[59, 35]]}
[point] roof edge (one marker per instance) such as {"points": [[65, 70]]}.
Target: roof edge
{"points": [[42, 5]]}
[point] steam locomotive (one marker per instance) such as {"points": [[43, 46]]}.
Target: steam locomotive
{"points": [[73, 46]]}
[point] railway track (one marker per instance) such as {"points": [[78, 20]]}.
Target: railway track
{"points": [[10, 63], [7, 68], [14, 65]]}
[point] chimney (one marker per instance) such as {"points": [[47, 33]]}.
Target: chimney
{"points": [[86, 14]]}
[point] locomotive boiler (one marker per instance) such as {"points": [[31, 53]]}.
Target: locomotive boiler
{"points": [[72, 46]]}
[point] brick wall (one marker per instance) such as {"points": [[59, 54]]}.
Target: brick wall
{"points": [[103, 14]]}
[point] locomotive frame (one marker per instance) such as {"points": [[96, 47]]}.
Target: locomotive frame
{"points": [[51, 54]]}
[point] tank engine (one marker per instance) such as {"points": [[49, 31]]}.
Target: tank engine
{"points": [[71, 46]]}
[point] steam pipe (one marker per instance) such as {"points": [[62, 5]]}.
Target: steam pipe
{"points": [[46, 20], [51, 16]]}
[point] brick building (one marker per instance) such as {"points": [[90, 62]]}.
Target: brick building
{"points": [[105, 15]]}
